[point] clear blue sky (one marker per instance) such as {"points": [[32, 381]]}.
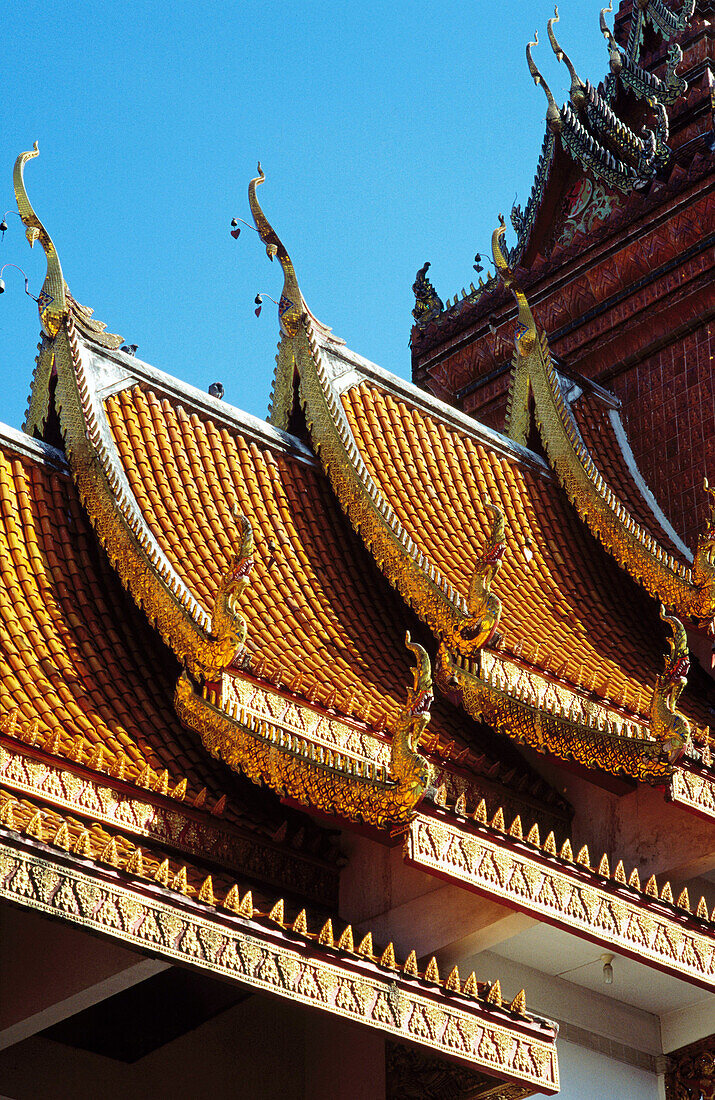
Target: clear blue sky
{"points": [[389, 134]]}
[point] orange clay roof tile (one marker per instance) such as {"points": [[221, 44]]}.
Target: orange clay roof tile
{"points": [[569, 609], [316, 607], [77, 657]]}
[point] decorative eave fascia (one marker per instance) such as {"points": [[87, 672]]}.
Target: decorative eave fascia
{"points": [[523, 705], [326, 762], [159, 819], [692, 786], [335, 782], [273, 958], [688, 592], [566, 893]]}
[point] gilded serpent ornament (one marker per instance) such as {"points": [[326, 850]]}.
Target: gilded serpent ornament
{"points": [[688, 592], [667, 724], [483, 606]]}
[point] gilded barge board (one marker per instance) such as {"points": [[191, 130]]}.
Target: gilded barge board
{"points": [[166, 825], [193, 934], [694, 792], [567, 898]]}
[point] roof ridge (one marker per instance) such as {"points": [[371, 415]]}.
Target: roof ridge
{"points": [[429, 403], [137, 371], [36, 449]]}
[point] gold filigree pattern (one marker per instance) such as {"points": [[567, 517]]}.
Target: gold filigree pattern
{"points": [[171, 826], [237, 948], [690, 593], [693, 791], [299, 767], [546, 721], [549, 889]]}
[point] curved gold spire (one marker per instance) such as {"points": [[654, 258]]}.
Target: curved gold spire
{"points": [[422, 672], [615, 53], [291, 306], [668, 724], [578, 90], [526, 336], [553, 115], [52, 302]]}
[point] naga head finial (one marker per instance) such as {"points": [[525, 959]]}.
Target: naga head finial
{"points": [[553, 114], [525, 337], [52, 300], [421, 692], [677, 665], [578, 90], [616, 60], [291, 306]]}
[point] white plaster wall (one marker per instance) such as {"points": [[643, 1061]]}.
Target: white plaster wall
{"points": [[587, 1075]]}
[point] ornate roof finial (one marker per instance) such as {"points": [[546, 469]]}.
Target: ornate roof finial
{"points": [[428, 304], [553, 115], [413, 773], [668, 724], [52, 302], [525, 336], [291, 306], [614, 51], [578, 90]]}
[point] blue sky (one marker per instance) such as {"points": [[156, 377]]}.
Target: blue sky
{"points": [[389, 135]]}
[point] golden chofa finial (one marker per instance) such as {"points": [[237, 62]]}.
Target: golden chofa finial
{"points": [[291, 306], [525, 337], [52, 301], [616, 60], [578, 90], [553, 115], [667, 724]]}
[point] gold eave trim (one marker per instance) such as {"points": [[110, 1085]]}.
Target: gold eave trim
{"points": [[599, 506], [404, 565], [618, 917], [164, 823], [191, 933], [297, 767], [526, 721], [693, 791], [118, 521]]}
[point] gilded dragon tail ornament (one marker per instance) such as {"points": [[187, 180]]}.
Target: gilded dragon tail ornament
{"points": [[412, 772], [668, 724], [54, 300], [291, 306], [227, 624], [483, 606]]}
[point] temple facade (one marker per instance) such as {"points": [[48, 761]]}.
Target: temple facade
{"points": [[364, 752]]}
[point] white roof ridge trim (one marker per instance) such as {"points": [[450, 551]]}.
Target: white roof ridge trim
{"points": [[35, 449], [198, 401], [646, 492], [363, 370]]}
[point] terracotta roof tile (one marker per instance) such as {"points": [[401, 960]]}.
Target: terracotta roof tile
{"points": [[569, 610], [319, 614]]}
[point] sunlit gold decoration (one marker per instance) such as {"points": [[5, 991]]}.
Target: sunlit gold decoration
{"points": [[690, 593], [483, 605], [227, 624], [531, 710], [667, 724], [693, 790], [55, 301], [158, 821], [112, 508], [298, 767], [564, 893], [411, 770], [298, 969], [291, 306]]}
